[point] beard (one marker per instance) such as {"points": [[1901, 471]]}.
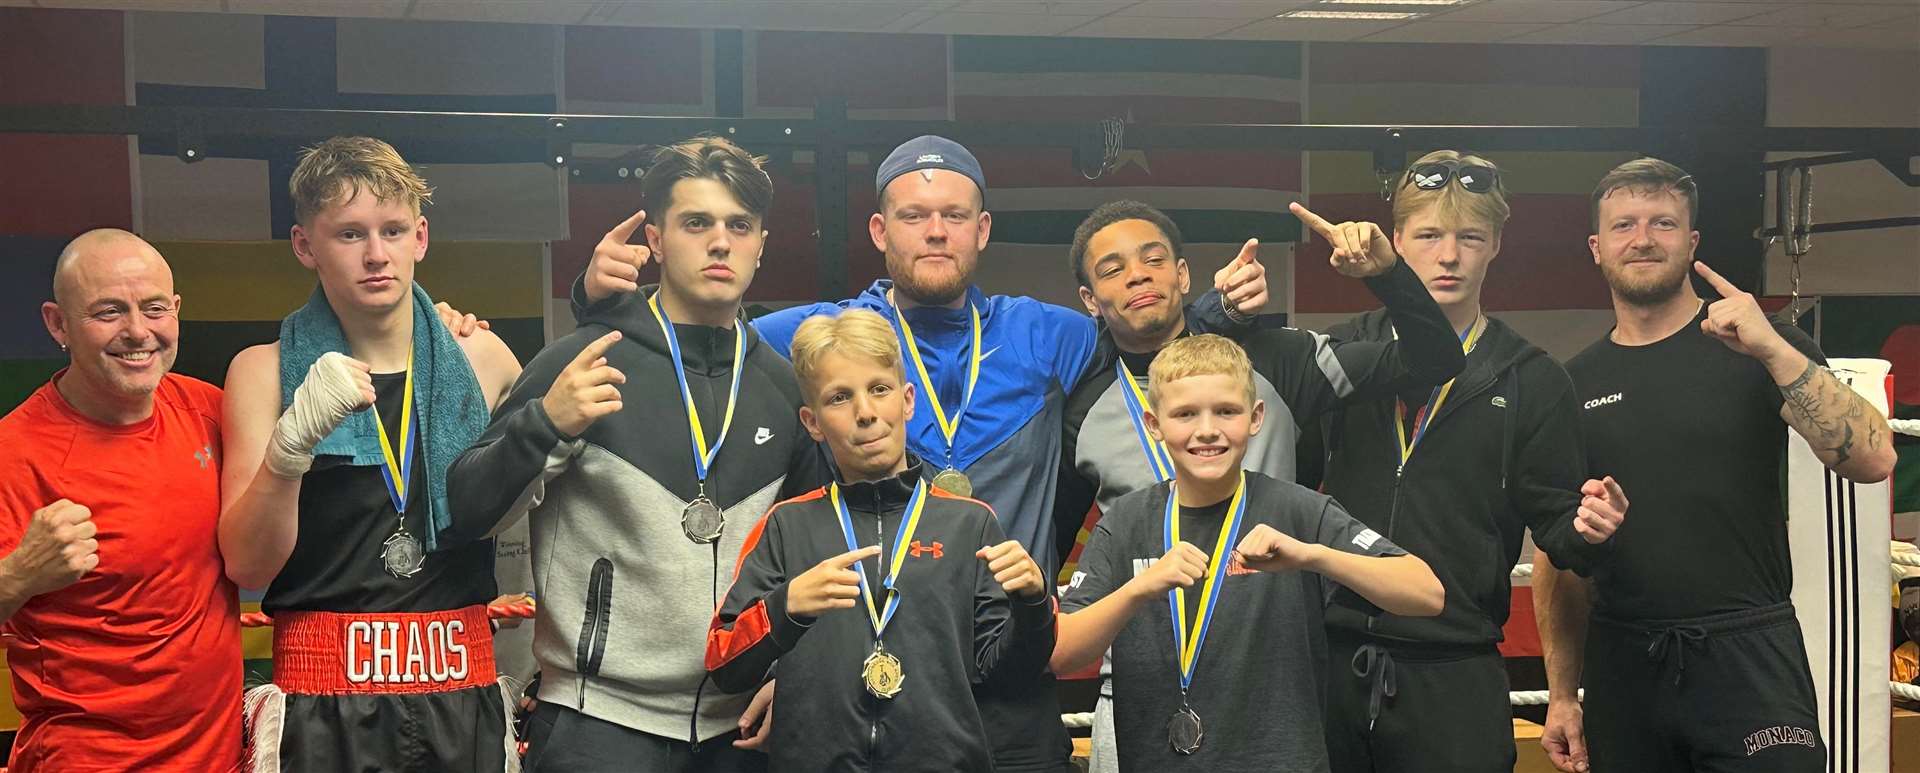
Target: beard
{"points": [[927, 286], [1146, 325], [1647, 290]]}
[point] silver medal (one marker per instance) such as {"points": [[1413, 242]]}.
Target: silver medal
{"points": [[702, 521], [1184, 732], [402, 555]]}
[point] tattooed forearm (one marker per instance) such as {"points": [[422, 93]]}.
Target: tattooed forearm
{"points": [[1832, 417]]}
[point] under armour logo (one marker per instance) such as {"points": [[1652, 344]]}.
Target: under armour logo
{"points": [[204, 456], [760, 438], [915, 549]]}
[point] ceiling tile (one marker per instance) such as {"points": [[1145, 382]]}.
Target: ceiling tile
{"points": [[1535, 11], [1043, 7], [187, 6], [954, 23], [1879, 36], [1729, 35], [1600, 34], [508, 11], [1308, 29], [376, 9], [1831, 15], [1453, 32], [1144, 27], [1214, 9], [1682, 13]]}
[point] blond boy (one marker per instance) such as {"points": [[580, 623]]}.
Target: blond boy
{"points": [[884, 599], [1234, 567]]}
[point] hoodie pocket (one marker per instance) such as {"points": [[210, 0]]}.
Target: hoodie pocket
{"points": [[593, 627]]}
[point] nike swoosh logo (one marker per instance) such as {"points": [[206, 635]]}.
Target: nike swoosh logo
{"points": [[983, 357], [760, 438]]}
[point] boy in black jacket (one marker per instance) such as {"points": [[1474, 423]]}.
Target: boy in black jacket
{"points": [[1455, 473], [1239, 690], [944, 600], [641, 448]]}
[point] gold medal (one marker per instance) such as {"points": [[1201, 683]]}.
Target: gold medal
{"points": [[882, 673], [953, 481]]}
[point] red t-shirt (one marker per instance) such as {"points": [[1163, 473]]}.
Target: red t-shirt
{"points": [[136, 667]]}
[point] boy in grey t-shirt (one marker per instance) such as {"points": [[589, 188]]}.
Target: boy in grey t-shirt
{"points": [[1209, 589]]}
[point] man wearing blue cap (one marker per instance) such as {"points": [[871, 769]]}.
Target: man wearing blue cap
{"points": [[994, 370]]}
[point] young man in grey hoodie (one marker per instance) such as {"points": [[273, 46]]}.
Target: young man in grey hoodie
{"points": [[638, 508]]}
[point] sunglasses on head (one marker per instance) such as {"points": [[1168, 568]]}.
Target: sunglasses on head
{"points": [[1434, 175]]}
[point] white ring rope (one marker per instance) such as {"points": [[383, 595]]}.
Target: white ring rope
{"points": [[1905, 426], [1522, 570], [1516, 698]]}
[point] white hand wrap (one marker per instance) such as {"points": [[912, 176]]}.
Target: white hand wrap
{"points": [[327, 397]]}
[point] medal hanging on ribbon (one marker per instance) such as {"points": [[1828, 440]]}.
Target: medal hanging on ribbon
{"points": [[950, 478], [1424, 417], [401, 554], [1137, 406], [882, 671], [702, 520], [1184, 731]]}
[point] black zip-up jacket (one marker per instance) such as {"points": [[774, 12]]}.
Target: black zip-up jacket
{"points": [[1503, 455], [625, 597], [955, 629]]}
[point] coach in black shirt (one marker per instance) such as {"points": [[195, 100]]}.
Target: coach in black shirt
{"points": [[1695, 660]]}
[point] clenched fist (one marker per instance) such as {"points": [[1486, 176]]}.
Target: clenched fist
{"points": [[1181, 567], [57, 549], [1267, 549], [1016, 572]]}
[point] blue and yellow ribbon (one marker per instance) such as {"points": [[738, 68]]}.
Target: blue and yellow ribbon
{"points": [[1137, 406], [398, 467], [909, 522], [1188, 642], [702, 455], [1421, 420], [948, 427]]}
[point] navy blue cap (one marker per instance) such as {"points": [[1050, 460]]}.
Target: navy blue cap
{"points": [[929, 151]]}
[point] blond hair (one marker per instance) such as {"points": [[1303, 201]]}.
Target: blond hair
{"points": [[332, 172], [1200, 355], [1453, 206], [856, 333]]}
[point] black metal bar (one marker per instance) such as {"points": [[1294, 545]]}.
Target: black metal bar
{"points": [[230, 124], [1833, 158], [1851, 225], [830, 197]]}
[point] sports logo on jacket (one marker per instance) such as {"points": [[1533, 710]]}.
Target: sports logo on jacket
{"points": [[1768, 737], [918, 549]]}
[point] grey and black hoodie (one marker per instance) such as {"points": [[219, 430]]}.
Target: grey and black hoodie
{"points": [[624, 596]]}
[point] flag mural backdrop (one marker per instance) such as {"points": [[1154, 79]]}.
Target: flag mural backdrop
{"points": [[509, 235]]}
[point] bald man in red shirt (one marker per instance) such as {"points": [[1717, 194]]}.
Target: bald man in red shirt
{"points": [[122, 630]]}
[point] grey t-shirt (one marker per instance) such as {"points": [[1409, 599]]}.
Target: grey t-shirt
{"points": [[1257, 685]]}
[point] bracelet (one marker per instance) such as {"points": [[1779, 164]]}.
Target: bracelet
{"points": [[1234, 314]]}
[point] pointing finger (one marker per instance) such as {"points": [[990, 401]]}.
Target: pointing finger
{"points": [[624, 231]]}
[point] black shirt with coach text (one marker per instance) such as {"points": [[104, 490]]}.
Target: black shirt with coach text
{"points": [[1692, 432], [1258, 685]]}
